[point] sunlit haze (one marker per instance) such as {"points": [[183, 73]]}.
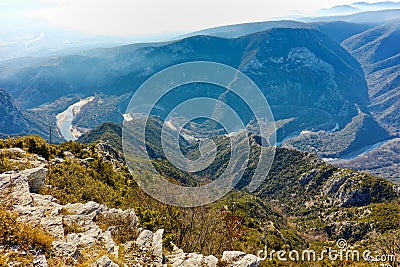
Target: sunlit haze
{"points": [[150, 17]]}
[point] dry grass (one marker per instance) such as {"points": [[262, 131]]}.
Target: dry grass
{"points": [[24, 236], [13, 232]]}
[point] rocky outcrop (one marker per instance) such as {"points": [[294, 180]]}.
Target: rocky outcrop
{"points": [[240, 259], [104, 262], [348, 189], [57, 219], [40, 261], [229, 258], [348, 230], [77, 226], [36, 178], [179, 258], [109, 153]]}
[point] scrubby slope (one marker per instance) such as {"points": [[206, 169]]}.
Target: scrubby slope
{"points": [[377, 51]]}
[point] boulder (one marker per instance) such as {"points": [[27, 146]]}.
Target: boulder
{"points": [[84, 209], [19, 185], [104, 262], [15, 150], [68, 155], [29, 214], [121, 215], [179, 258], [210, 261], [53, 225], [89, 237], [109, 243], [49, 203], [36, 178], [40, 261], [240, 259], [66, 250], [157, 244], [73, 239], [145, 239]]}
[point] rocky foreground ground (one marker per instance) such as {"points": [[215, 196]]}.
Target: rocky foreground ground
{"points": [[79, 235]]}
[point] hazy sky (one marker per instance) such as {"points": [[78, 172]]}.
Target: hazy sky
{"points": [[150, 17]]}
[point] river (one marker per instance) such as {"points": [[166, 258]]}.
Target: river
{"points": [[64, 120]]}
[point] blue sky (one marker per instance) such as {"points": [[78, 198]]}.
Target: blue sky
{"points": [[148, 17]]}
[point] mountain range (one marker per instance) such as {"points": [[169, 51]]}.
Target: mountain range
{"points": [[95, 207], [331, 81]]}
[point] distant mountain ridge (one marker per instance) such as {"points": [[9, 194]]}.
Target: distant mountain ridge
{"points": [[380, 58], [374, 17], [318, 74], [299, 70], [338, 10], [238, 30], [357, 8]]}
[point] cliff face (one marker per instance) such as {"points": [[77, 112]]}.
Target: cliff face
{"points": [[12, 121]]}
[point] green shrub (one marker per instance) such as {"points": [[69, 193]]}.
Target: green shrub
{"points": [[32, 144]]}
